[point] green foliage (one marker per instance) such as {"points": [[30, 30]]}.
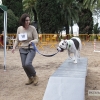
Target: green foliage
{"points": [[93, 36], [49, 17], [12, 21], [70, 12], [85, 22], [96, 29], [15, 5], [89, 4], [15, 10], [53, 14], [29, 7], [1, 22]]}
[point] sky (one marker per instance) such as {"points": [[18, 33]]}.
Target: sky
{"points": [[96, 20], [0, 2]]}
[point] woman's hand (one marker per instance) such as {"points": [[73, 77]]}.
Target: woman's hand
{"points": [[30, 42]]}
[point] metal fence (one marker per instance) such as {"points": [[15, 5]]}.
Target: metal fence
{"points": [[45, 39]]}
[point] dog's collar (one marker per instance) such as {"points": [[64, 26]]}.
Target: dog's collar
{"points": [[68, 45]]}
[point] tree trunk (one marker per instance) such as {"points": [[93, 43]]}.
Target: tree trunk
{"points": [[67, 29], [35, 14]]}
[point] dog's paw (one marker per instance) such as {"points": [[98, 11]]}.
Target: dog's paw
{"points": [[73, 59], [69, 58], [75, 62]]}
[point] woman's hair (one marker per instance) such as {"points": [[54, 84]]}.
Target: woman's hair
{"points": [[22, 19]]}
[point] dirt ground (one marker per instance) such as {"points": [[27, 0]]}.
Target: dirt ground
{"points": [[12, 81]]}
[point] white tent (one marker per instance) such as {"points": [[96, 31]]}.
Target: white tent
{"points": [[3, 9]]}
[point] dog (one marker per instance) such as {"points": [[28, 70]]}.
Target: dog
{"points": [[73, 45]]}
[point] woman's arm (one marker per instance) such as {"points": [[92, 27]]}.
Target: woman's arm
{"points": [[35, 36], [16, 41]]}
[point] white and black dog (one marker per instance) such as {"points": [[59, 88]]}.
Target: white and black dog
{"points": [[73, 46]]}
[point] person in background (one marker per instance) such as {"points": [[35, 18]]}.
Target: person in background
{"points": [[75, 30], [26, 34], [2, 38]]}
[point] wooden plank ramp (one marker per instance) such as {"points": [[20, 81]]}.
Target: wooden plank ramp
{"points": [[68, 81]]}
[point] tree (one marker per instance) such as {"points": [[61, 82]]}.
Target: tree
{"points": [[15, 10], [49, 18], [96, 13], [70, 12], [90, 3], [12, 21], [85, 22], [96, 29], [1, 22], [29, 7], [15, 5]]}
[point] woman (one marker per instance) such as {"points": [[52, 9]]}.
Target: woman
{"points": [[26, 34]]}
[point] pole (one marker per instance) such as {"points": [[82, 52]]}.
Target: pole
{"points": [[5, 36]]}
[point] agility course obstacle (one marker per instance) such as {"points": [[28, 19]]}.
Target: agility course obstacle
{"points": [[68, 81]]}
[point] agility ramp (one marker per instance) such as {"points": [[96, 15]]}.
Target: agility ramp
{"points": [[68, 81]]}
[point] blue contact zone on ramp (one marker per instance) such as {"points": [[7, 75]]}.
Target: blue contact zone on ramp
{"points": [[68, 81]]}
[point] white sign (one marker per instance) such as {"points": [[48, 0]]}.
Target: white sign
{"points": [[93, 92], [22, 36], [0, 2]]}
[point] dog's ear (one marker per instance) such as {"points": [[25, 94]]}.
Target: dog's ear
{"points": [[65, 41]]}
